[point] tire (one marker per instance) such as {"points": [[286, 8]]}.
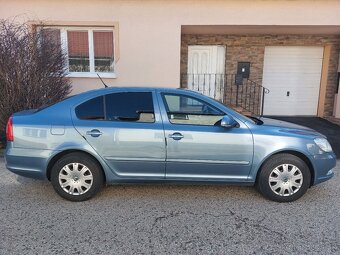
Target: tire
{"points": [[283, 178], [77, 177]]}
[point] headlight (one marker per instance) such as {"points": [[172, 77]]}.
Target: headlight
{"points": [[323, 144]]}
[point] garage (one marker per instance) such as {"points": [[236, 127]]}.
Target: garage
{"points": [[292, 74]]}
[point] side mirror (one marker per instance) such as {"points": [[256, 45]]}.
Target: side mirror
{"points": [[228, 122]]}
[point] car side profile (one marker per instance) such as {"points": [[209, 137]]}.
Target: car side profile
{"points": [[122, 135]]}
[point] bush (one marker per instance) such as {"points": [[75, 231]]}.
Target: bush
{"points": [[32, 69]]}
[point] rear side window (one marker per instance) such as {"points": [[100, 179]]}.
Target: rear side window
{"points": [[130, 106], [92, 109]]}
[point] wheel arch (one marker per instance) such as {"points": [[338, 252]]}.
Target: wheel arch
{"points": [[59, 155], [296, 153]]}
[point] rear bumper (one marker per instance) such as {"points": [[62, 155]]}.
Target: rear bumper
{"points": [[324, 167], [30, 163]]}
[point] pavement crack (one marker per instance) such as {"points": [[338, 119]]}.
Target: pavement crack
{"points": [[256, 225], [231, 213]]}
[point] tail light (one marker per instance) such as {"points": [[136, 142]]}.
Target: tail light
{"points": [[9, 130]]}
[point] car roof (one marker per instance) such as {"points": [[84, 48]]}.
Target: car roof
{"points": [[133, 89]]}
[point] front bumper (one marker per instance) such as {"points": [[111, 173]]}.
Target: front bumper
{"points": [[324, 165]]}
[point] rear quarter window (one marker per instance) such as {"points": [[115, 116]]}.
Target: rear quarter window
{"points": [[92, 109]]}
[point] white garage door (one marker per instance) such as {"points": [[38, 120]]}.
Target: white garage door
{"points": [[292, 74]]}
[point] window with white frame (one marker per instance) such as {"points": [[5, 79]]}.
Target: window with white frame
{"points": [[89, 50]]}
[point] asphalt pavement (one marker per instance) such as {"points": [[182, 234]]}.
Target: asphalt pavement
{"points": [[166, 219]]}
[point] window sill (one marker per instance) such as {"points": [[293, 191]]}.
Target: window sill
{"points": [[91, 75]]}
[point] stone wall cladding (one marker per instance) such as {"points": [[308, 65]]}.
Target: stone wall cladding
{"points": [[250, 48]]}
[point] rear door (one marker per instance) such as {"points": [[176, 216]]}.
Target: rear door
{"points": [[126, 130]]}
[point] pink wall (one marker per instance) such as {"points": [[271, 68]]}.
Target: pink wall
{"points": [[150, 30]]}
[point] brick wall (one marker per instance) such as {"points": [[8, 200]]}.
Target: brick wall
{"points": [[250, 48]]}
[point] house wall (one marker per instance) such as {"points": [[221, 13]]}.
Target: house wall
{"points": [[250, 48], [149, 31]]}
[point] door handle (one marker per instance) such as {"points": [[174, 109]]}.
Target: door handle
{"points": [[94, 133], [176, 136]]}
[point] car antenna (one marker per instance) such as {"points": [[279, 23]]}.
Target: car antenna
{"points": [[102, 81]]}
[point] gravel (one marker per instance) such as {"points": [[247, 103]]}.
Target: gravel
{"points": [[166, 219]]}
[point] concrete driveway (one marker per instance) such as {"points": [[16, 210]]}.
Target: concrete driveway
{"points": [[166, 219], [331, 130]]}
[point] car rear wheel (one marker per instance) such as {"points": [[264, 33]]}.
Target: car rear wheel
{"points": [[77, 177], [284, 178]]}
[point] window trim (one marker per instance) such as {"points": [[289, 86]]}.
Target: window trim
{"points": [[89, 29]]}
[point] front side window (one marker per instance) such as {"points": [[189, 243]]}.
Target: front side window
{"points": [[183, 109], [130, 106], [89, 50]]}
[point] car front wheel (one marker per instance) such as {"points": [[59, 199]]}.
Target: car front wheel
{"points": [[77, 177], [284, 178]]}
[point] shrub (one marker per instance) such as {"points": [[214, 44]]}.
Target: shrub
{"points": [[32, 69]]}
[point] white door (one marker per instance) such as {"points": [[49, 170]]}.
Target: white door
{"points": [[206, 69], [292, 74]]}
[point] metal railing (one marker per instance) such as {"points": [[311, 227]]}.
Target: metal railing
{"points": [[241, 94]]}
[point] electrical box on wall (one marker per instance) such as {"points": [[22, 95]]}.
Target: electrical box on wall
{"points": [[243, 69]]}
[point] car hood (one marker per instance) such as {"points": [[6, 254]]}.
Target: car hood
{"points": [[289, 127]]}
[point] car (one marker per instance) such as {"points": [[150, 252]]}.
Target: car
{"points": [[133, 135]]}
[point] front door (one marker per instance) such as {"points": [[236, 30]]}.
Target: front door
{"points": [[206, 69], [126, 131], [197, 147]]}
